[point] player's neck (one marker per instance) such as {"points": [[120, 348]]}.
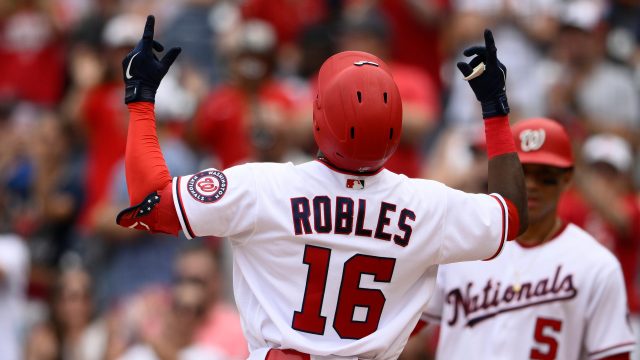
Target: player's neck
{"points": [[540, 232]]}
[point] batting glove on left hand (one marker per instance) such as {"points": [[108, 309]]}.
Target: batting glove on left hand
{"points": [[142, 69]]}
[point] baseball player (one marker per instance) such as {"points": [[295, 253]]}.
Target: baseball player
{"points": [[554, 293], [334, 258]]}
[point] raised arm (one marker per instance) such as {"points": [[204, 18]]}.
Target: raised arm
{"points": [[487, 77], [148, 179]]}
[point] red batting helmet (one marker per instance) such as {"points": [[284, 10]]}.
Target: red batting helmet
{"points": [[542, 141], [357, 114]]}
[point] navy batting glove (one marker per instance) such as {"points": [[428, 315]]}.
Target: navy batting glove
{"points": [[142, 69], [487, 77]]}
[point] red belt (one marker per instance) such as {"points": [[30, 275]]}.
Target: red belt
{"points": [[276, 354]]}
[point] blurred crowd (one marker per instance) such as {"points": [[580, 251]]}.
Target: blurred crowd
{"points": [[73, 285]]}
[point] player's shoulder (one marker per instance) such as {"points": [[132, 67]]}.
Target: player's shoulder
{"points": [[586, 247], [419, 184], [265, 169]]}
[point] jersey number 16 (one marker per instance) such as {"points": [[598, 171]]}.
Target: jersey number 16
{"points": [[351, 294]]}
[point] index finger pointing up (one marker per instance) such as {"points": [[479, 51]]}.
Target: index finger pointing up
{"points": [[490, 45], [147, 36]]}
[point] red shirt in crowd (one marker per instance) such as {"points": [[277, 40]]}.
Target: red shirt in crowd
{"points": [[223, 123], [413, 42], [105, 119], [222, 330], [626, 247], [287, 17], [31, 60], [418, 89]]}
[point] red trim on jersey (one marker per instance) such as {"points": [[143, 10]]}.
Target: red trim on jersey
{"points": [[287, 354], [621, 356], [628, 343], [514, 220], [560, 230], [182, 210], [498, 136], [419, 326], [347, 172], [502, 234]]}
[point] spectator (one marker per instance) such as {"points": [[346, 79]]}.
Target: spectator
{"points": [[40, 195], [103, 114], [54, 199], [174, 337], [70, 332], [31, 55], [57, 191], [221, 328], [605, 205], [288, 18], [315, 44], [418, 22], [193, 29], [247, 118], [584, 89]]}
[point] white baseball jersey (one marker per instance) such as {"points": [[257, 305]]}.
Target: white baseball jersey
{"points": [[332, 264], [564, 299]]}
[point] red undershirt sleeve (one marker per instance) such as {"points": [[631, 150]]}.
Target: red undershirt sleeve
{"points": [[148, 177], [145, 168]]}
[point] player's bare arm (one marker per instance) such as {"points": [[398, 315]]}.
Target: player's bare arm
{"points": [[487, 76]]}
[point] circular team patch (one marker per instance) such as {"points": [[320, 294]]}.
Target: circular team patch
{"points": [[207, 186]]}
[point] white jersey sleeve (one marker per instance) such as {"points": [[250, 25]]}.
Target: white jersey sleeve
{"points": [[217, 203], [608, 331], [432, 314], [474, 227]]}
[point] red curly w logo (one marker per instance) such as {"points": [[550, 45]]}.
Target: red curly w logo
{"points": [[207, 185]]}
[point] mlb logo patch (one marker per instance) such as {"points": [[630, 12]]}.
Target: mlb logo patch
{"points": [[355, 184]]}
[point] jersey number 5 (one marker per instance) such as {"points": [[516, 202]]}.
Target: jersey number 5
{"points": [[350, 297], [541, 338]]}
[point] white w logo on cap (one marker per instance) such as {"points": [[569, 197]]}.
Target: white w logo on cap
{"points": [[531, 140]]}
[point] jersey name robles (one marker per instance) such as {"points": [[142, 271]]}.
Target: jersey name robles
{"points": [[320, 214], [331, 269]]}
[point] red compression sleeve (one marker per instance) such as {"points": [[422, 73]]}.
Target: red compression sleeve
{"points": [[419, 326], [167, 220], [145, 167], [498, 136]]}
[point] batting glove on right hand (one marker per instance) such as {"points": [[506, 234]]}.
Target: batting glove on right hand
{"points": [[142, 69], [487, 77]]}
